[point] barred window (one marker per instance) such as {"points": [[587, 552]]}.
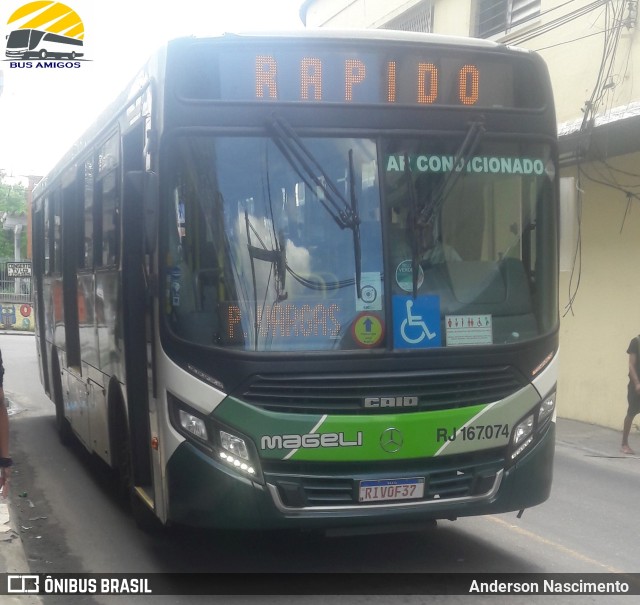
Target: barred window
{"points": [[419, 18], [498, 16]]}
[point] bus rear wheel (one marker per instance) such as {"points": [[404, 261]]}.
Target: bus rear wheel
{"points": [[43, 54]]}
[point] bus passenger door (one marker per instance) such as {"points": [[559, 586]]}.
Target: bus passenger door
{"points": [[77, 406], [136, 312], [71, 217]]}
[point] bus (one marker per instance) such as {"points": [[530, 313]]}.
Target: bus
{"points": [[309, 281], [39, 44]]}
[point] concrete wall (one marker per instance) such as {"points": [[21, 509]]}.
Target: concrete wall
{"points": [[349, 14], [605, 314], [454, 17]]}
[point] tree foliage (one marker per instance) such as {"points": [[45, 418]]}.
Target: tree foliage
{"points": [[13, 200]]}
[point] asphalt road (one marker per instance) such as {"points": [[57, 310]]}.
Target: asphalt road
{"points": [[70, 522]]}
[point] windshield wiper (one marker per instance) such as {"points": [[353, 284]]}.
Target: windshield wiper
{"points": [[308, 168], [276, 257], [414, 227], [465, 151], [357, 247], [425, 216]]}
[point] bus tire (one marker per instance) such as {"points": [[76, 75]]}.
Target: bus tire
{"points": [[63, 427], [145, 518], [121, 453], [43, 54]]}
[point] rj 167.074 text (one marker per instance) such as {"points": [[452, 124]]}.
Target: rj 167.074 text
{"points": [[473, 433]]}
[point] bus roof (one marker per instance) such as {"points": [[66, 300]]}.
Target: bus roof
{"points": [[361, 35]]}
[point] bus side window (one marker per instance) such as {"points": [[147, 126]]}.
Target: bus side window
{"points": [[88, 215], [56, 227], [47, 236], [109, 201], [192, 285], [110, 222]]}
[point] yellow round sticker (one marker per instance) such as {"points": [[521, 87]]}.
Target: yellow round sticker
{"points": [[367, 330]]}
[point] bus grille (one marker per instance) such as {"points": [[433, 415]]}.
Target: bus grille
{"points": [[346, 393], [445, 479]]}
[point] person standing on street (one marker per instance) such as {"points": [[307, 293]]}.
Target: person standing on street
{"points": [[633, 392]]}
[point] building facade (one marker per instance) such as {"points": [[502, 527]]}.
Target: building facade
{"points": [[592, 49]]}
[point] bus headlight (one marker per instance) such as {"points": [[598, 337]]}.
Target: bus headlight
{"points": [[532, 426], [234, 445], [221, 443], [193, 424], [522, 436], [238, 453], [547, 407]]}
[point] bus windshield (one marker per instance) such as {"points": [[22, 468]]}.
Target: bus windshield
{"points": [[19, 38], [259, 255]]}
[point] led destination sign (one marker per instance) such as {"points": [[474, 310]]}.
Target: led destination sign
{"points": [[289, 320], [386, 75]]}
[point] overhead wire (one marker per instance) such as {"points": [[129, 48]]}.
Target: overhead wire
{"points": [[612, 33], [555, 23], [598, 33], [537, 15], [576, 265], [611, 39]]}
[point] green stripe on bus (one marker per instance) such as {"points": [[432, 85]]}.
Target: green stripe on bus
{"points": [[359, 438]]}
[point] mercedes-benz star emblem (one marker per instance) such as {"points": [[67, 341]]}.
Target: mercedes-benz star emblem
{"points": [[391, 440]]}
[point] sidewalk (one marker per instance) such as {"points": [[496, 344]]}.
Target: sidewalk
{"points": [[12, 556], [595, 440]]}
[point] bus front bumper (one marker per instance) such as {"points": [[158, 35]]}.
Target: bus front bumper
{"points": [[203, 493]]}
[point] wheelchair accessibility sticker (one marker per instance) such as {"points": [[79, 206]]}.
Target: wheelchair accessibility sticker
{"points": [[416, 322]]}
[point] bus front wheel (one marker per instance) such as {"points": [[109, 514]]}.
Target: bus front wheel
{"points": [[143, 516], [43, 54]]}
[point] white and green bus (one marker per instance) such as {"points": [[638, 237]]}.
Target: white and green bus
{"points": [[310, 281]]}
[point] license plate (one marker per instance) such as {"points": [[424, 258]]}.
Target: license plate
{"points": [[385, 490]]}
